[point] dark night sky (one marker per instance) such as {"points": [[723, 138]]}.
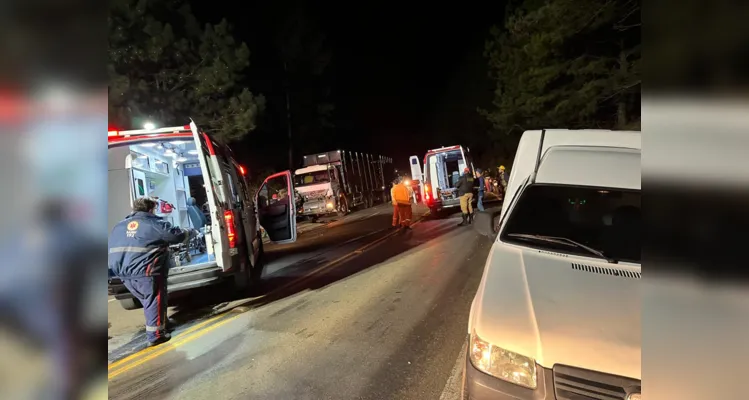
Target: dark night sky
{"points": [[406, 78]]}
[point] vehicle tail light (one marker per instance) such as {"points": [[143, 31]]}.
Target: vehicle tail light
{"points": [[231, 232], [427, 192]]}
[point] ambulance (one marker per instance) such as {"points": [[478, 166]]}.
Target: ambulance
{"points": [[201, 188], [442, 169]]}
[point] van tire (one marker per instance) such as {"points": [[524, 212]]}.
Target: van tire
{"points": [[131, 304]]}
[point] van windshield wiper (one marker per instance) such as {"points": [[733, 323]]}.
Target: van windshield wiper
{"points": [[563, 240]]}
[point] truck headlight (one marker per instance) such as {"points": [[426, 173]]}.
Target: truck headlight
{"points": [[329, 205], [503, 364]]}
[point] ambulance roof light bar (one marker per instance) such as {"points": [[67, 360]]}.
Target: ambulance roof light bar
{"points": [[173, 129]]}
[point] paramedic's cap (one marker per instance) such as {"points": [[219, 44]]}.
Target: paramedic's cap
{"points": [[478, 170]]}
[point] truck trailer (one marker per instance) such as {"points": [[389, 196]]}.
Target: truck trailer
{"points": [[335, 182]]}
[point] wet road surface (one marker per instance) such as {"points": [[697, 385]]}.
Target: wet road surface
{"points": [[350, 311]]}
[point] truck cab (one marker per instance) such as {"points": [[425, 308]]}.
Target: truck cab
{"points": [[320, 188], [200, 188], [335, 182]]}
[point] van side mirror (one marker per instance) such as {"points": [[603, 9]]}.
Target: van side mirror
{"points": [[485, 222]]}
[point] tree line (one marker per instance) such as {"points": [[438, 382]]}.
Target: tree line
{"points": [[563, 64], [165, 64]]}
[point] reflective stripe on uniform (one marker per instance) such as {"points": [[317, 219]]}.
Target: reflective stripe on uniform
{"points": [[154, 328], [133, 249]]}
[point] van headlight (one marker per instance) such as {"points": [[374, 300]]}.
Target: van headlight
{"points": [[503, 364]]}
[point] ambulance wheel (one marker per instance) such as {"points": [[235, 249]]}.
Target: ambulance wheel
{"points": [[242, 278], [131, 304], [434, 213], [257, 268]]}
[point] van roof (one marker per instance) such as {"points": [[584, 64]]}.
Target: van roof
{"points": [[589, 137], [115, 137], [596, 166], [527, 151], [443, 149]]}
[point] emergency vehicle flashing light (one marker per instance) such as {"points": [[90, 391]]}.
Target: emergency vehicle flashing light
{"points": [[171, 129], [231, 233]]}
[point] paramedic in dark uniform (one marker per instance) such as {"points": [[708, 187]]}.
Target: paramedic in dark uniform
{"points": [[480, 177], [465, 192], [139, 255]]}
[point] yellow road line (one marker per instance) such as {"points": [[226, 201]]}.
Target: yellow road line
{"points": [[149, 350], [166, 347], [150, 353]]}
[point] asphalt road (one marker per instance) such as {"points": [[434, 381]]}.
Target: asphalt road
{"points": [[350, 311]]}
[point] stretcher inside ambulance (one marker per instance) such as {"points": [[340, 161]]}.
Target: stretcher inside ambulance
{"points": [[222, 218], [442, 170]]}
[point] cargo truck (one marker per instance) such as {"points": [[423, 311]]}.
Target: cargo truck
{"points": [[336, 181]]}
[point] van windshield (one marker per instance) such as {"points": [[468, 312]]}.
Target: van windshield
{"points": [[607, 220], [311, 178]]}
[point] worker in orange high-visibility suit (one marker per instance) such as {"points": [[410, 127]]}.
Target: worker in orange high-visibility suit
{"points": [[402, 195], [395, 205]]}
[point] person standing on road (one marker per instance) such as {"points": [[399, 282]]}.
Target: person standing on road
{"points": [[465, 192], [139, 255], [402, 196], [501, 181], [480, 176], [395, 205]]}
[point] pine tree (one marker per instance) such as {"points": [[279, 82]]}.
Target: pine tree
{"points": [[165, 67], [565, 64]]}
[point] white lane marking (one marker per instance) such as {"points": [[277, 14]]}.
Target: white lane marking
{"points": [[453, 389], [111, 300]]}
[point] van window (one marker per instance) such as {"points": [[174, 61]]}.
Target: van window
{"points": [[607, 220], [242, 184], [273, 191], [226, 172]]}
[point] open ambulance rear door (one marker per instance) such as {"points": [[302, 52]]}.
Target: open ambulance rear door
{"points": [[222, 235], [276, 207], [416, 169]]}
